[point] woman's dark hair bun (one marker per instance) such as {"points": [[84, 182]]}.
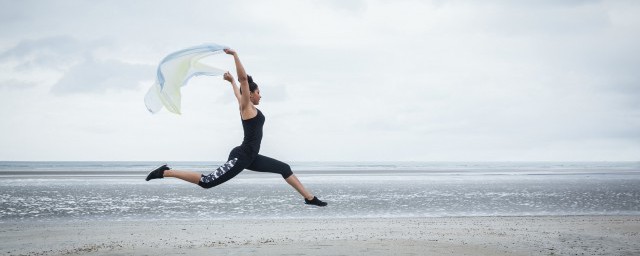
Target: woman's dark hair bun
{"points": [[252, 85]]}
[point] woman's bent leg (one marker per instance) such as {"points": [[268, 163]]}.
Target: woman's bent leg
{"points": [[267, 164], [295, 183], [308, 197]]}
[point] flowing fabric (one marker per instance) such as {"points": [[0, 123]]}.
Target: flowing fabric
{"points": [[174, 71]]}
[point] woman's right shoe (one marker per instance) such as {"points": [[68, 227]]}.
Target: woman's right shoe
{"points": [[158, 173]]}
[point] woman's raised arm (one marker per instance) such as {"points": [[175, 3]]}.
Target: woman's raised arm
{"points": [[227, 76], [242, 78]]}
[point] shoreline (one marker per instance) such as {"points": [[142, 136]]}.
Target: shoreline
{"points": [[522, 235]]}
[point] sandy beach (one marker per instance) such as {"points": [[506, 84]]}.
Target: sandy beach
{"points": [[566, 235]]}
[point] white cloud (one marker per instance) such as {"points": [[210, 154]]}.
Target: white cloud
{"points": [[75, 60], [16, 84], [93, 75]]}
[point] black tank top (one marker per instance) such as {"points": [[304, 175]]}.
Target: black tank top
{"points": [[252, 134]]}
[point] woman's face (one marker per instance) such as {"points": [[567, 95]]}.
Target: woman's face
{"points": [[255, 97]]}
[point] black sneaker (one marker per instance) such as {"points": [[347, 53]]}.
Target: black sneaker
{"points": [[158, 173], [315, 201]]}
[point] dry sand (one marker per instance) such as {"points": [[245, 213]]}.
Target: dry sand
{"points": [[566, 235]]}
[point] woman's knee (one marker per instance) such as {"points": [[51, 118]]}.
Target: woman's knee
{"points": [[205, 183], [286, 171], [223, 173], [205, 186]]}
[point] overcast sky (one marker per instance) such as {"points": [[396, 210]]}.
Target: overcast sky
{"points": [[341, 80]]}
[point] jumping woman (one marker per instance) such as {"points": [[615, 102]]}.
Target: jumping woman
{"points": [[246, 155]]}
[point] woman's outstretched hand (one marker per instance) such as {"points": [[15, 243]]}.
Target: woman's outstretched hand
{"points": [[227, 76], [230, 51]]}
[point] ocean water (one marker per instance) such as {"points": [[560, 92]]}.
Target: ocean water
{"points": [[94, 191]]}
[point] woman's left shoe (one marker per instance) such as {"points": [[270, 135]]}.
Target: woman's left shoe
{"points": [[315, 201]]}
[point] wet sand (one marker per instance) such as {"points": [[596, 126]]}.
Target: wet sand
{"points": [[558, 235]]}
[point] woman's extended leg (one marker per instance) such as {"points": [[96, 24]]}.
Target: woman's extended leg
{"points": [[193, 177], [165, 171], [224, 173]]}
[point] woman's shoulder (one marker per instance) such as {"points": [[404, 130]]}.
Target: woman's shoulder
{"points": [[249, 113]]}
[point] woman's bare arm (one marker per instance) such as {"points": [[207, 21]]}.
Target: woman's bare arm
{"points": [[246, 107], [227, 76]]}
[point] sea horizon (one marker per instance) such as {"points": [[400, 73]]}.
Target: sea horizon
{"points": [[116, 190]]}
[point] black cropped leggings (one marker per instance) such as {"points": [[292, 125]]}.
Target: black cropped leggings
{"points": [[238, 161]]}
